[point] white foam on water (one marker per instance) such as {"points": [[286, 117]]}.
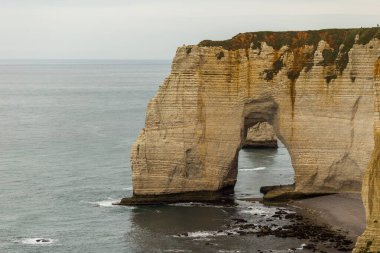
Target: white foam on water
{"points": [[175, 250], [255, 210], [202, 239], [197, 204], [198, 234], [302, 245], [185, 204], [203, 235], [253, 169], [40, 241], [105, 203], [259, 168], [109, 203], [128, 188]]}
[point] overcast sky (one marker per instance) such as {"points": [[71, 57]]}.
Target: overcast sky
{"points": [[152, 29]]}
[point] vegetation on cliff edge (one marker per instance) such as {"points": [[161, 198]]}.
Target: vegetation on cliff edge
{"points": [[339, 40]]}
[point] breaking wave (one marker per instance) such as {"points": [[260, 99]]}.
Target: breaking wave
{"points": [[37, 241], [253, 169]]}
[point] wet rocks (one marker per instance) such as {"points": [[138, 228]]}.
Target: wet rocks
{"points": [[238, 220], [42, 240], [309, 246], [282, 223], [317, 237]]}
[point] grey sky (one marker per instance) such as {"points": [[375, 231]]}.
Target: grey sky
{"points": [[152, 29]]}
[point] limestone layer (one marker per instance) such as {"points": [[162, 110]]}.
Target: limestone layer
{"points": [[317, 89], [261, 135], [370, 240]]}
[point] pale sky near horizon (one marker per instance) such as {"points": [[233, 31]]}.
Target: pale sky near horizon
{"points": [[153, 29]]}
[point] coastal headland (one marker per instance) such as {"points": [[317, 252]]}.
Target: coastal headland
{"points": [[318, 90]]}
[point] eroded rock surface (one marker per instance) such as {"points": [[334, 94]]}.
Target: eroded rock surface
{"points": [[261, 135], [370, 240], [317, 89]]}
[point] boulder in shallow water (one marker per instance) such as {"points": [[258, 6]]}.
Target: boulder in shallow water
{"points": [[261, 135]]}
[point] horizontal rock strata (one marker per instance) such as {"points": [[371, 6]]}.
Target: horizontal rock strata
{"points": [[261, 135], [316, 88], [370, 240]]}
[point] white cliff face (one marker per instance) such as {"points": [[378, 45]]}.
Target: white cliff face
{"points": [[194, 125], [260, 135], [370, 240]]}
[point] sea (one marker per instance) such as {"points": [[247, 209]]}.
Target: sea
{"points": [[66, 130]]}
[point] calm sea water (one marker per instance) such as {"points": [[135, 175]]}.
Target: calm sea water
{"points": [[66, 128]]}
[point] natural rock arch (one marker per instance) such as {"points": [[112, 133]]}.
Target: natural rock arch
{"points": [[195, 123], [319, 97]]}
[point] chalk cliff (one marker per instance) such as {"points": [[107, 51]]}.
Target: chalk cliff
{"points": [[261, 135], [318, 89], [370, 240]]}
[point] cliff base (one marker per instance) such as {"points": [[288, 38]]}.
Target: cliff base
{"points": [[283, 193], [260, 144], [223, 197]]}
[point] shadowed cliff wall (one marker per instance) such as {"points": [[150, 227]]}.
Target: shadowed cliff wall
{"points": [[370, 240]]}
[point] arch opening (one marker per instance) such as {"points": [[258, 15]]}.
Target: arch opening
{"points": [[263, 159], [262, 164]]}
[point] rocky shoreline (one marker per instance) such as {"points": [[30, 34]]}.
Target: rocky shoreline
{"points": [[288, 222], [296, 219], [323, 222], [222, 196]]}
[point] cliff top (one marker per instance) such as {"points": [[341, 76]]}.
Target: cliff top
{"points": [[340, 42], [294, 39]]}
